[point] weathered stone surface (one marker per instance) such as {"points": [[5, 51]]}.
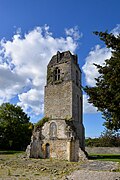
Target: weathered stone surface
{"points": [[82, 155], [103, 150], [58, 100], [34, 149], [62, 137], [93, 175]]}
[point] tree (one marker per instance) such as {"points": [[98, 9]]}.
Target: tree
{"points": [[15, 128], [108, 138], [105, 95], [92, 142]]}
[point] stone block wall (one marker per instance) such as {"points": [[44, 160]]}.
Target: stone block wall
{"points": [[58, 149], [34, 149], [77, 93], [74, 68], [102, 150], [58, 100], [74, 150], [65, 72]]}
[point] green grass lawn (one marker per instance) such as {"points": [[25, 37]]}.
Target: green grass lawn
{"points": [[10, 152], [105, 157], [102, 157]]}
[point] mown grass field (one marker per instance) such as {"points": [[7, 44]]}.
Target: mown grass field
{"points": [[105, 157]]}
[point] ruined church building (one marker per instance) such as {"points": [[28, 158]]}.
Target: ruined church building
{"points": [[62, 136]]}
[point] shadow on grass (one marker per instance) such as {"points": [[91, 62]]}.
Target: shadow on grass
{"points": [[10, 152], [103, 157]]}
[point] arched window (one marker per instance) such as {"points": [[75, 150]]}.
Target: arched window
{"points": [[56, 74], [53, 130]]}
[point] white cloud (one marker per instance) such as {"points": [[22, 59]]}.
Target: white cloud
{"points": [[32, 99], [23, 62], [74, 32], [87, 107], [98, 56], [116, 30]]}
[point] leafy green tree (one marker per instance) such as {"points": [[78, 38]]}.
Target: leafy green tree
{"points": [[105, 95], [92, 142], [108, 138], [15, 128]]}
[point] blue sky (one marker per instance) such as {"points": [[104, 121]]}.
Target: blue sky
{"points": [[32, 31]]}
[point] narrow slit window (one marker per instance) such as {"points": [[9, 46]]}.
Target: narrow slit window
{"points": [[56, 74], [78, 107], [77, 79]]}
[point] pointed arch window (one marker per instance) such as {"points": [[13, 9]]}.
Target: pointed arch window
{"points": [[56, 74]]}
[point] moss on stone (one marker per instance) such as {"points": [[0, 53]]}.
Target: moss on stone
{"points": [[41, 122], [68, 118]]}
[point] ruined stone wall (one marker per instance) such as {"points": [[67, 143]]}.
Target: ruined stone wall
{"points": [[61, 125], [58, 148], [74, 150], [34, 149]]}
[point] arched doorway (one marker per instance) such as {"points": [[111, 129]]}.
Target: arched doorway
{"points": [[47, 150]]}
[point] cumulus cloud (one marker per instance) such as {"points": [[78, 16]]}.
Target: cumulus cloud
{"points": [[74, 32], [23, 62], [116, 30], [97, 55], [87, 107]]}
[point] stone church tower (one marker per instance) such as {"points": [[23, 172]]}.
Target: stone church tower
{"points": [[62, 137]]}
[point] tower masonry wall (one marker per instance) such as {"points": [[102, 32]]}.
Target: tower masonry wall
{"points": [[65, 72], [58, 100], [76, 108], [75, 68]]}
